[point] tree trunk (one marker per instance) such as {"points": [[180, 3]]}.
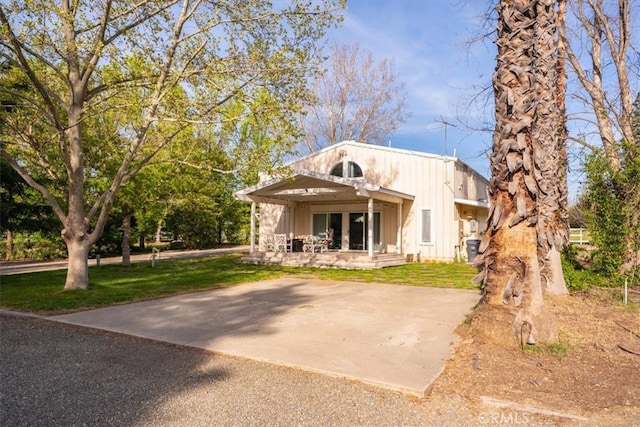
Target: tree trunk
{"points": [[9, 254], [515, 288], [126, 238], [159, 233], [520, 223], [78, 269], [553, 266], [550, 161], [552, 273], [75, 232]]}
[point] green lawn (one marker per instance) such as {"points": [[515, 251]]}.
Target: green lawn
{"points": [[111, 284]]}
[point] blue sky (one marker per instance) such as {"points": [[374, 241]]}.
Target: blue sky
{"points": [[428, 42]]}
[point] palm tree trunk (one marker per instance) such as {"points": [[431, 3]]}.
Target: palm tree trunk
{"points": [[549, 132], [521, 194]]}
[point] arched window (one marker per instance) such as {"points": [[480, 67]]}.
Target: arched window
{"points": [[336, 170], [353, 170]]}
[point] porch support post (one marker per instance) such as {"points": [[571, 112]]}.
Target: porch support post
{"points": [[399, 230], [292, 223], [253, 227], [370, 228]]}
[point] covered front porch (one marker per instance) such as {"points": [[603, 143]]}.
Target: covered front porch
{"points": [[364, 222], [352, 260]]}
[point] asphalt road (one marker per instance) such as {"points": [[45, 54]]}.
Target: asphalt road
{"points": [[7, 268]]}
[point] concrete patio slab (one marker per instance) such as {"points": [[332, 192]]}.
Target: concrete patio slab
{"points": [[388, 335]]}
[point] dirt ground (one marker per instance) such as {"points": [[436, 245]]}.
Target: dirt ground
{"points": [[586, 379]]}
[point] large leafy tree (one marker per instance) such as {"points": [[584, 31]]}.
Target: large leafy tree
{"points": [[166, 66], [528, 167]]}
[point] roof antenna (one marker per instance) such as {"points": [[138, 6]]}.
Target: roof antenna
{"points": [[446, 124]]}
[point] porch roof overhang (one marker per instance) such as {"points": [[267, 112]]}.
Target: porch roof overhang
{"points": [[309, 186]]}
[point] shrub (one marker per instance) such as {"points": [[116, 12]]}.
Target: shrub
{"points": [[612, 203], [36, 246], [194, 223], [576, 276]]}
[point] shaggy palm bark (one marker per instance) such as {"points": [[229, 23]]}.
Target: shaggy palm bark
{"points": [[524, 164], [549, 132]]}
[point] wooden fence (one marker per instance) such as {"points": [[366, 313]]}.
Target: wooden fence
{"points": [[579, 236]]}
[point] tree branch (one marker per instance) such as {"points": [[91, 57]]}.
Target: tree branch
{"points": [[41, 189], [17, 48]]}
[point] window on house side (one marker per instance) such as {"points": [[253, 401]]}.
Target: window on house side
{"points": [[426, 226]]}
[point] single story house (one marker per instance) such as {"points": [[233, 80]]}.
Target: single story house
{"points": [[370, 206]]}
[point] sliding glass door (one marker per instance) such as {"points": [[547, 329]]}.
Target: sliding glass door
{"points": [[330, 223], [358, 226]]}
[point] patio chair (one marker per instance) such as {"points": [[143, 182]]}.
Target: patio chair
{"points": [[307, 244], [280, 242], [322, 242], [312, 244], [330, 239], [315, 243]]}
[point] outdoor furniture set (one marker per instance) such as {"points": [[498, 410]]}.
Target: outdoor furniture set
{"points": [[319, 243]]}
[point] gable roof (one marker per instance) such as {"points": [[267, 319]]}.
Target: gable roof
{"points": [[374, 147], [383, 148], [305, 185]]}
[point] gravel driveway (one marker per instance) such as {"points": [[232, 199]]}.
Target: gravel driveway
{"points": [[62, 375]]}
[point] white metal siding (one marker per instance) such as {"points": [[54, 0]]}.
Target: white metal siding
{"points": [[435, 181]]}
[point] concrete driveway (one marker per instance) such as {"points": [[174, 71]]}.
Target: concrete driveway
{"points": [[397, 337]]}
